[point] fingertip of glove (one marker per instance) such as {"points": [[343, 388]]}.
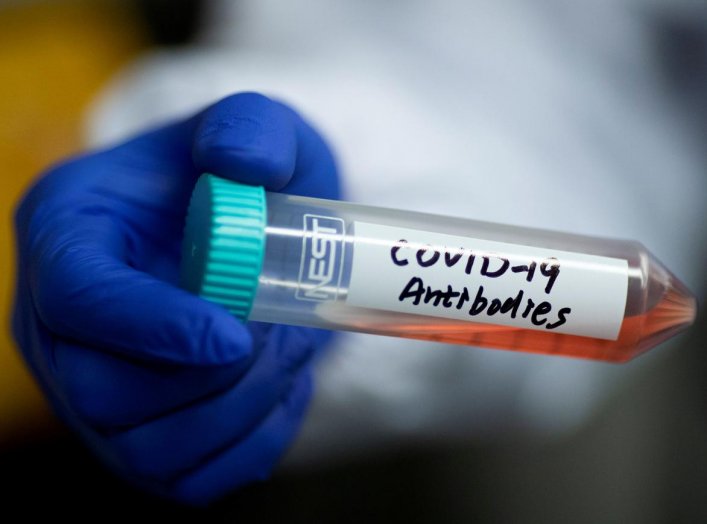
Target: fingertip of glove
{"points": [[267, 166], [301, 392], [293, 347], [191, 330], [221, 339], [248, 138]]}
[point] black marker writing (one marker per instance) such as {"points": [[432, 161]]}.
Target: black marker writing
{"points": [[505, 264], [492, 265], [394, 253], [551, 270], [417, 293]]}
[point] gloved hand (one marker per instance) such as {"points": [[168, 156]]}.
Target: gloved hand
{"points": [[169, 390]]}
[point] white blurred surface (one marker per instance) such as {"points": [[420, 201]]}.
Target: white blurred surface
{"points": [[543, 114]]}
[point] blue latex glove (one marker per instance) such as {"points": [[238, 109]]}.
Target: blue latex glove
{"points": [[169, 390]]}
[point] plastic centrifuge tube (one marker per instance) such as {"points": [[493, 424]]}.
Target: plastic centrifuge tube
{"points": [[288, 259]]}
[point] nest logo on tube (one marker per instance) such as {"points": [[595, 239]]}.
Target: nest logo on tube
{"points": [[322, 258]]}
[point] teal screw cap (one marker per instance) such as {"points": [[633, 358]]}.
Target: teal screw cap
{"points": [[224, 243]]}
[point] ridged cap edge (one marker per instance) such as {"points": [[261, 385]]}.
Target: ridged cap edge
{"points": [[224, 243]]}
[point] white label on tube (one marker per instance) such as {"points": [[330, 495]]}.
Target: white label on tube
{"points": [[447, 276]]}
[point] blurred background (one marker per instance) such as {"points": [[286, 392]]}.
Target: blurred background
{"points": [[642, 456]]}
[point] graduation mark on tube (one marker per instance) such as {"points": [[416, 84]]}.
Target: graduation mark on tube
{"points": [[335, 265]]}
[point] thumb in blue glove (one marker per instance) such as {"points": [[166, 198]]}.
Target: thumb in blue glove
{"points": [[171, 391]]}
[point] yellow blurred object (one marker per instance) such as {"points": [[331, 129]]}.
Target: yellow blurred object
{"points": [[54, 57]]}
